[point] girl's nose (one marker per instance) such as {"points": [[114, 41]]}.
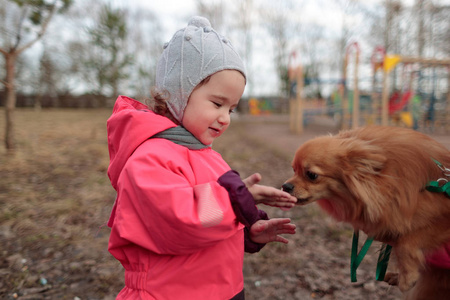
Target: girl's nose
{"points": [[224, 118]]}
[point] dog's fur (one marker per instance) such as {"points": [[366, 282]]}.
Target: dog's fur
{"points": [[374, 178]]}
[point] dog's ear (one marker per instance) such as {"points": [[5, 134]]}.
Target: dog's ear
{"points": [[362, 168]]}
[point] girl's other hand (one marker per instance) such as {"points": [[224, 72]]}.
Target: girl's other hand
{"points": [[266, 231]]}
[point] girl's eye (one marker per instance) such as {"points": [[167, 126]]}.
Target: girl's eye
{"points": [[217, 104], [232, 110], [311, 175]]}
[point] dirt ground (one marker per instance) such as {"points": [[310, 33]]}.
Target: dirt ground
{"points": [[54, 205]]}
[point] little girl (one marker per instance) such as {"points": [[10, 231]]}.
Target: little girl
{"points": [[182, 219]]}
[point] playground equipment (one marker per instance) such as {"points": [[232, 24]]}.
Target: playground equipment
{"points": [[260, 107], [298, 113], [304, 108], [401, 107], [253, 105], [396, 103]]}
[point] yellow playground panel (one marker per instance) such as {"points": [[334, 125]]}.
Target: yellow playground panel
{"points": [[403, 119]]}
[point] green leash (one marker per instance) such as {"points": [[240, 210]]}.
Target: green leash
{"points": [[357, 258], [442, 185], [383, 260]]}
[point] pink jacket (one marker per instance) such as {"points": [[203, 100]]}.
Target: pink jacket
{"points": [[172, 225]]}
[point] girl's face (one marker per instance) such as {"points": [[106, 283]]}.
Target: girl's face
{"points": [[207, 113]]}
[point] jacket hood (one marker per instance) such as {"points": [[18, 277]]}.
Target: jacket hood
{"points": [[130, 124]]}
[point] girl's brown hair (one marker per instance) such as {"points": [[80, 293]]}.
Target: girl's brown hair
{"points": [[158, 101]]}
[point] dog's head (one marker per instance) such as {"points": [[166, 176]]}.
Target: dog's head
{"points": [[342, 174]]}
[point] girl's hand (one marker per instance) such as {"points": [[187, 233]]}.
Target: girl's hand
{"points": [[268, 195], [266, 231]]}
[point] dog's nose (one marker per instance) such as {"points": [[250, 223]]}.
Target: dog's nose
{"points": [[287, 187]]}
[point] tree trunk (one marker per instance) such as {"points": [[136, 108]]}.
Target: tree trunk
{"points": [[10, 103]]}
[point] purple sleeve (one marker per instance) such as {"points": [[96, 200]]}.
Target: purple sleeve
{"points": [[249, 245], [241, 199]]}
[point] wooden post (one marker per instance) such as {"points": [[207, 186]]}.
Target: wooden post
{"points": [[292, 114], [377, 60], [299, 101], [384, 99], [344, 99], [374, 98]]}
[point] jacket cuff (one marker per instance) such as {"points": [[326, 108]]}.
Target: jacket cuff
{"points": [[241, 199], [249, 245]]}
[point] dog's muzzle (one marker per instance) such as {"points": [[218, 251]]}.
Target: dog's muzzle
{"points": [[287, 187]]}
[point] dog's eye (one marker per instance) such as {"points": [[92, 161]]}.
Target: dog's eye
{"points": [[311, 175]]}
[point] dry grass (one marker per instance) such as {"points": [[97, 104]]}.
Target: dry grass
{"points": [[54, 196]]}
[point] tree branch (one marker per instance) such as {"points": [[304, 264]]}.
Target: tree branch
{"points": [[19, 29], [41, 32], [5, 83]]}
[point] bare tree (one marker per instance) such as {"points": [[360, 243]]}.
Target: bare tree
{"points": [[245, 22], [146, 40], [108, 39], [433, 28], [27, 22], [311, 50], [214, 11], [278, 26], [441, 17], [47, 79]]}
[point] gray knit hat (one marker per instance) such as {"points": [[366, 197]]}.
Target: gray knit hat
{"points": [[193, 53]]}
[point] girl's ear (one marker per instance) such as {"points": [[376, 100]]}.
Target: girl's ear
{"points": [[362, 174]]}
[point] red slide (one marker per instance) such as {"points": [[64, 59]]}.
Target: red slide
{"points": [[396, 104]]}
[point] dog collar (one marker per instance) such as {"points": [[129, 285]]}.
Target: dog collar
{"points": [[357, 257], [442, 185]]}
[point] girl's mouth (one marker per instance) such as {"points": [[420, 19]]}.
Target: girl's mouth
{"points": [[215, 132]]}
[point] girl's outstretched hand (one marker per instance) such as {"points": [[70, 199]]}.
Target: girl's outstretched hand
{"points": [[268, 195], [266, 231]]}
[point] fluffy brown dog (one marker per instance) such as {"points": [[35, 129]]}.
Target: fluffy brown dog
{"points": [[374, 178]]}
